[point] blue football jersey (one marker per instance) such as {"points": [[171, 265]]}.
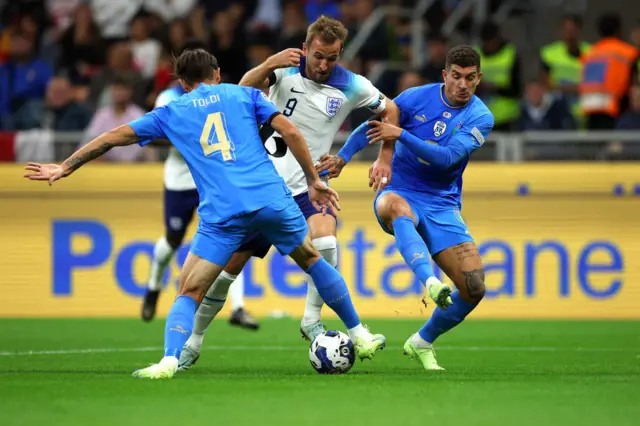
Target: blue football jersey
{"points": [[425, 113], [215, 128]]}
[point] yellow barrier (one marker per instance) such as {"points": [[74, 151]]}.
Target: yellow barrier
{"points": [[568, 250]]}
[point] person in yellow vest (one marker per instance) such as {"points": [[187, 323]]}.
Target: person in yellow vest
{"points": [[561, 67], [501, 86], [609, 70]]}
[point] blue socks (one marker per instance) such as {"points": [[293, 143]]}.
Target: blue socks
{"points": [[179, 325], [334, 291], [442, 321], [413, 248]]}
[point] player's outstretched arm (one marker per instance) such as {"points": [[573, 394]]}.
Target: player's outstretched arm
{"points": [[120, 136], [320, 194], [259, 76], [331, 165], [441, 157]]}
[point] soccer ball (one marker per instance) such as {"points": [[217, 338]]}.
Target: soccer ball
{"points": [[332, 352]]}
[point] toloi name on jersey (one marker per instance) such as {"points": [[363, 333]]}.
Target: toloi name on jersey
{"points": [[206, 101]]}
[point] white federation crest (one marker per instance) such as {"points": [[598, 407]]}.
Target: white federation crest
{"points": [[439, 128], [333, 106]]}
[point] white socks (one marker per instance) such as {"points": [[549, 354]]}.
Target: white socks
{"points": [[419, 341], [162, 254], [358, 331], [430, 282], [209, 308], [236, 292], [328, 248]]}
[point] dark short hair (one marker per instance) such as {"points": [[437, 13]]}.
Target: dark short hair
{"points": [[463, 56], [195, 66], [328, 30], [609, 25]]}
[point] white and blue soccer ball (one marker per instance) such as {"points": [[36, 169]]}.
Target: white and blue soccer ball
{"points": [[332, 352]]}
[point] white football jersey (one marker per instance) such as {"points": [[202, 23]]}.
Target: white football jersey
{"points": [[318, 110], [177, 176]]}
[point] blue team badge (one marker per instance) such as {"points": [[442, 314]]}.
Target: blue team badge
{"points": [[333, 106], [439, 128]]}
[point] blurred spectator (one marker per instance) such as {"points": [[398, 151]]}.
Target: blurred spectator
{"points": [[169, 10], [635, 35], [628, 121], [228, 45], [119, 64], [119, 112], [179, 32], [316, 8], [610, 68], [82, 48], [561, 65], [146, 50], [260, 48], [376, 47], [501, 84], [408, 80], [294, 26], [267, 15], [22, 78], [542, 110], [114, 17], [57, 112], [62, 13], [432, 70]]}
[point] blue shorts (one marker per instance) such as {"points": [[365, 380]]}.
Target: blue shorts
{"points": [[440, 227], [281, 222], [259, 245], [179, 208]]}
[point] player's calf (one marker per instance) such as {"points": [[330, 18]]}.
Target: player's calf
{"points": [[463, 265], [397, 216], [334, 292]]}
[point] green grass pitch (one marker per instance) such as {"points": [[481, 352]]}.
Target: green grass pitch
{"points": [[544, 373]]}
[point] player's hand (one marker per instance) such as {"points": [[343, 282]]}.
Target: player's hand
{"points": [[48, 172], [380, 131], [379, 175], [333, 164], [285, 59], [323, 198]]}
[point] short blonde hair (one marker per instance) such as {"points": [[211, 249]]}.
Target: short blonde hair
{"points": [[328, 30]]}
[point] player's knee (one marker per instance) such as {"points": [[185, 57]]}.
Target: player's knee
{"points": [[390, 208], [174, 239], [306, 255], [474, 286], [328, 248]]}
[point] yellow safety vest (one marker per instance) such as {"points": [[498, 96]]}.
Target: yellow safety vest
{"points": [[565, 68], [496, 70]]}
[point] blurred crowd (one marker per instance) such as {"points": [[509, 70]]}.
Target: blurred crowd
{"points": [[89, 65]]}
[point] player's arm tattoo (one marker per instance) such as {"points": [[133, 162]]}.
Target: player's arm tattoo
{"points": [[79, 158], [120, 136]]}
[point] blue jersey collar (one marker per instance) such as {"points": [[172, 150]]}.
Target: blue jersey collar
{"points": [[443, 98]]}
